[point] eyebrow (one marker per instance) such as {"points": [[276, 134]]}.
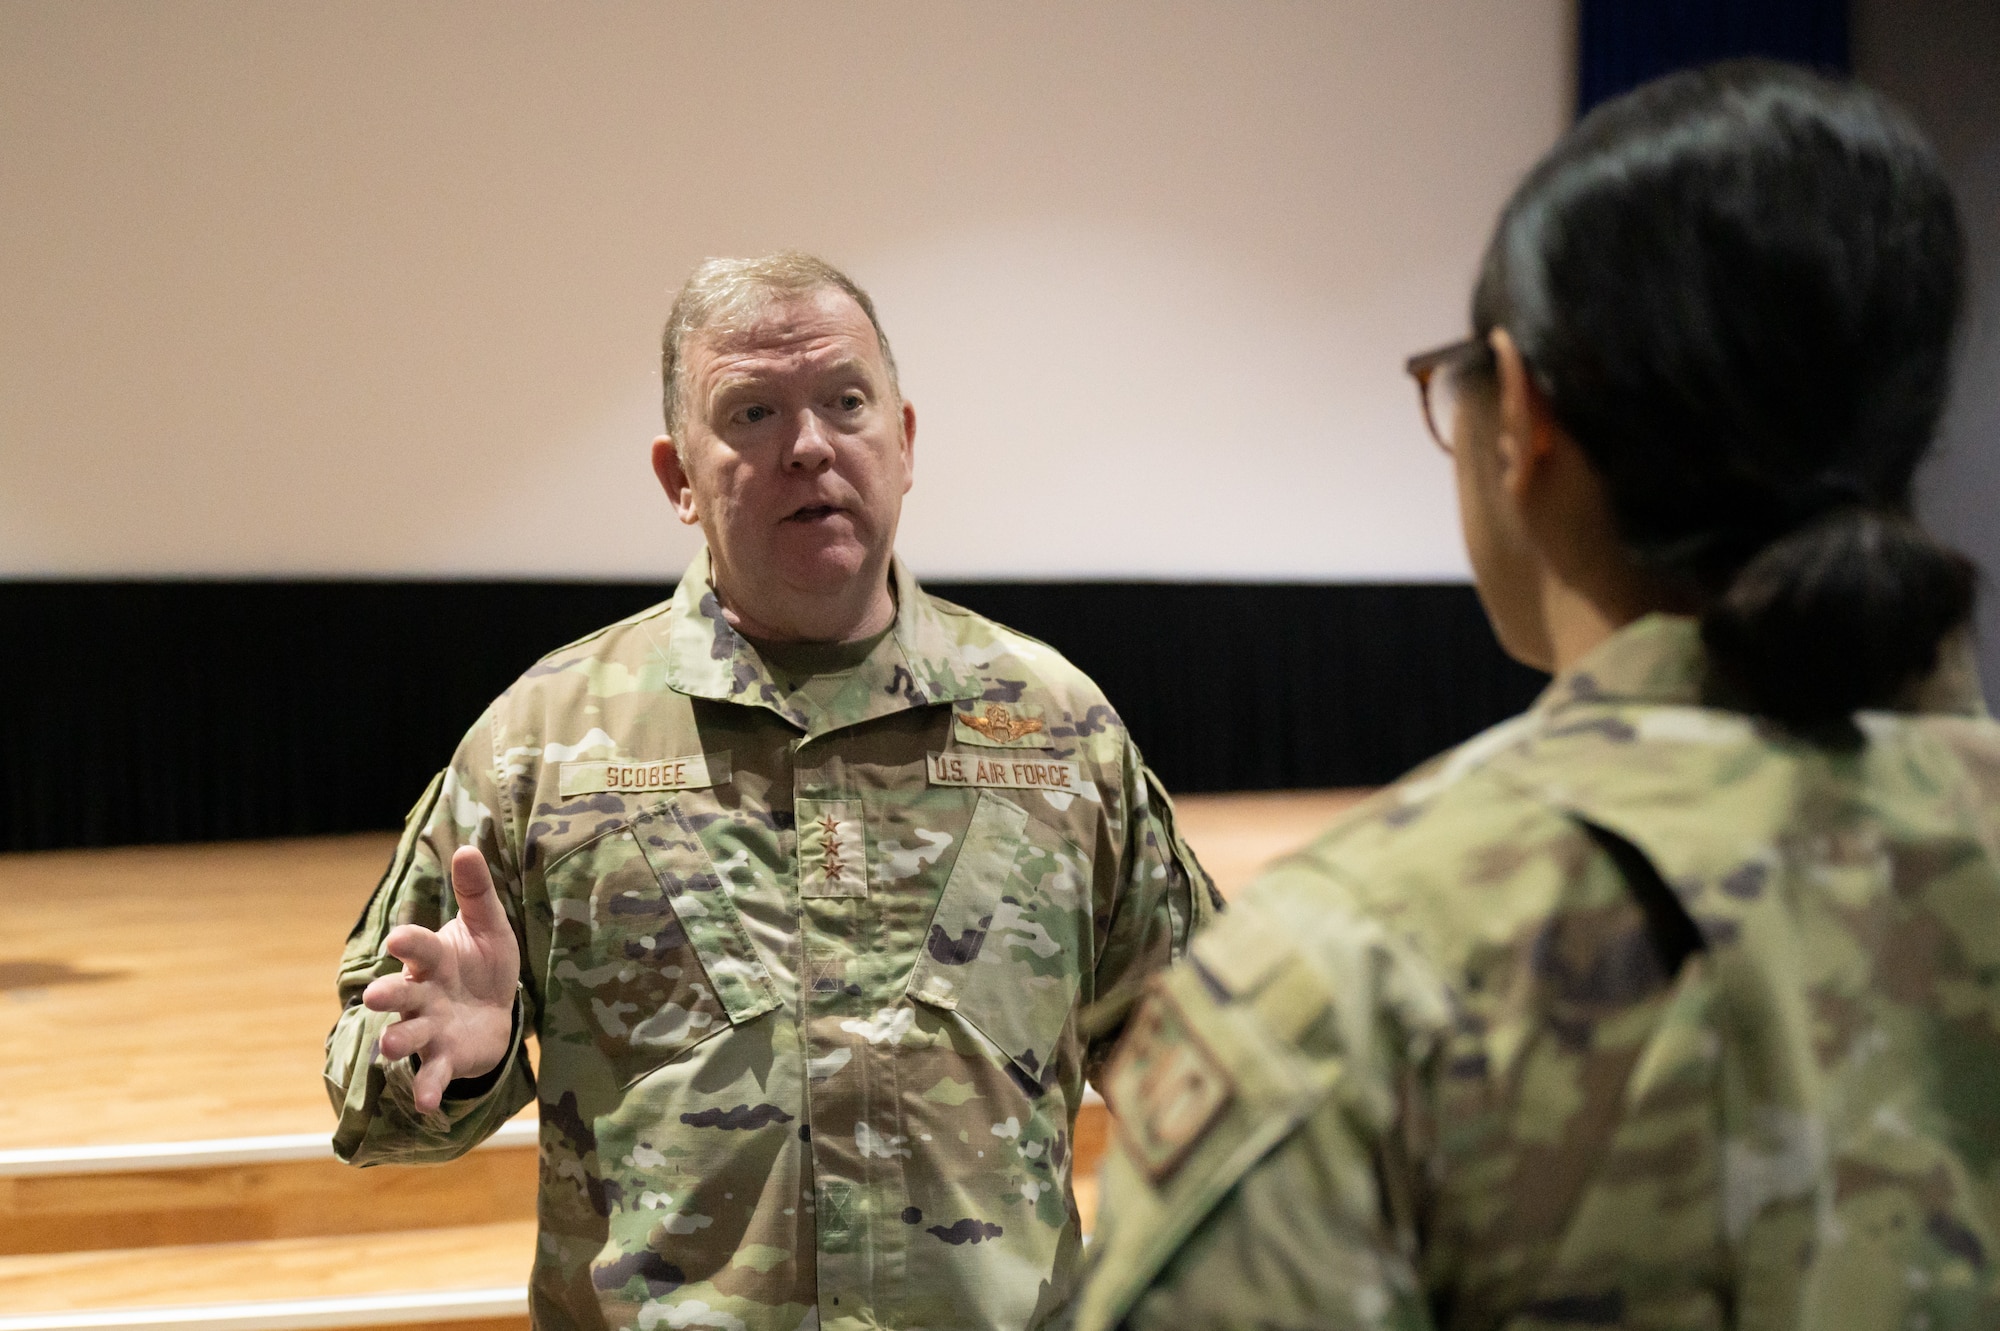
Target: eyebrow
{"points": [[849, 365], [846, 365]]}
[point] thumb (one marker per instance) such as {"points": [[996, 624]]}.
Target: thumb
{"points": [[478, 903]]}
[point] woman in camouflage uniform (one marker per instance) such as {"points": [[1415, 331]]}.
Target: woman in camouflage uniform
{"points": [[1674, 1002]]}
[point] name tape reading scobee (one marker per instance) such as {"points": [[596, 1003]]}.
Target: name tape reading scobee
{"points": [[1011, 773], [627, 776]]}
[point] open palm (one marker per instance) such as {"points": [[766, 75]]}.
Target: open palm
{"points": [[455, 993]]}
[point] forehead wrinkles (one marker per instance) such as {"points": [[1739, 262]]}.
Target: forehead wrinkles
{"points": [[786, 321], [777, 348], [726, 368]]}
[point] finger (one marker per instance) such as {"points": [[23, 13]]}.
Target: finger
{"points": [[395, 993], [431, 1080], [412, 1036], [420, 950], [478, 903]]}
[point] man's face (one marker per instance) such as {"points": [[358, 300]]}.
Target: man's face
{"points": [[795, 456]]}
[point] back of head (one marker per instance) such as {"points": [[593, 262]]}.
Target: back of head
{"points": [[1737, 287]]}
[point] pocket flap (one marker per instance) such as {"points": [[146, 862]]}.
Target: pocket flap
{"points": [[1003, 946], [687, 875]]}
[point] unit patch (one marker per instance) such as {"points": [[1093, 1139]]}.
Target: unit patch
{"points": [[978, 769], [833, 849], [1164, 1086], [625, 776]]}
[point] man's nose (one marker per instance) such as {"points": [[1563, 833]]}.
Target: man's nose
{"points": [[812, 446]]}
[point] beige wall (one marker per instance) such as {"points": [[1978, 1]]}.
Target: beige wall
{"points": [[373, 288]]}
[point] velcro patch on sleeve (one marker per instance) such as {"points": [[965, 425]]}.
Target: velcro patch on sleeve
{"points": [[1164, 1086], [625, 776], [1005, 772]]}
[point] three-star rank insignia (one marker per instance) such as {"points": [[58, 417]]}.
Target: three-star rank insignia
{"points": [[1000, 725], [833, 849], [1164, 1086]]}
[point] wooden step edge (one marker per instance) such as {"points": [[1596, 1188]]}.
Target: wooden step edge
{"points": [[127, 1157], [316, 1314]]}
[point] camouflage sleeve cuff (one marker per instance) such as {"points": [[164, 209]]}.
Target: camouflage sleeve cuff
{"points": [[376, 1098]]}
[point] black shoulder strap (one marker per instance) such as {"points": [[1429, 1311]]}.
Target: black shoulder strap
{"points": [[1674, 934]]}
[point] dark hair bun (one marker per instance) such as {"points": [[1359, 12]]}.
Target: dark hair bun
{"points": [[1845, 612]]}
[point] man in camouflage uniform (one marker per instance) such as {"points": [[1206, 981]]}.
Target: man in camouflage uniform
{"points": [[799, 881]]}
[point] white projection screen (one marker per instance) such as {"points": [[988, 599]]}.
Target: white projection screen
{"points": [[374, 289]]}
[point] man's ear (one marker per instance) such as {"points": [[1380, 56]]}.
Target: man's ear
{"points": [[1528, 427], [909, 446], [674, 479]]}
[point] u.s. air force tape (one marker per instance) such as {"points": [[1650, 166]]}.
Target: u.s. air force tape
{"points": [[622, 776], [1006, 770]]}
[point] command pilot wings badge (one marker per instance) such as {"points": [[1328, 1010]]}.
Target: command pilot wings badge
{"points": [[1000, 725]]}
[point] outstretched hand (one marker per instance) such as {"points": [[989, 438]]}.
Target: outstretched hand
{"points": [[455, 993]]}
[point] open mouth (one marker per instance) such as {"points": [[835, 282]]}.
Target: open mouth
{"points": [[815, 513]]}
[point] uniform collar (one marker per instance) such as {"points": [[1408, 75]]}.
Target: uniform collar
{"points": [[916, 665], [1660, 660]]}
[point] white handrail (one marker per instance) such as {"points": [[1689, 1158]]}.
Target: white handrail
{"points": [[133, 1157], [292, 1314]]}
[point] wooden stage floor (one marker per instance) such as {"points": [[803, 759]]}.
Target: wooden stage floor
{"points": [[173, 993], [162, 1134]]}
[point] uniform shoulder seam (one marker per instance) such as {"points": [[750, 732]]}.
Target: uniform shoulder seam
{"points": [[953, 608], [1014, 634], [650, 612]]}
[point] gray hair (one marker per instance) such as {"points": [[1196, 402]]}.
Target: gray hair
{"points": [[720, 292]]}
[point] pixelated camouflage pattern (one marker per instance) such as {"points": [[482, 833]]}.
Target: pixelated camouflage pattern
{"points": [[1469, 1086], [762, 1108]]}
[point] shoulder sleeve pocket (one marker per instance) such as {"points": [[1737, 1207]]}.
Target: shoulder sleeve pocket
{"points": [[1201, 1089], [1004, 946]]}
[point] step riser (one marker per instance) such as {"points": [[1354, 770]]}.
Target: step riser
{"points": [[50, 1213], [236, 1203]]}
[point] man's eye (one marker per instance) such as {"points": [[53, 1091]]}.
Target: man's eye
{"points": [[852, 401], [753, 414]]}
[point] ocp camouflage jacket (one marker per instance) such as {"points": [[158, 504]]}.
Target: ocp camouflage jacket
{"points": [[803, 968], [1630, 1013]]}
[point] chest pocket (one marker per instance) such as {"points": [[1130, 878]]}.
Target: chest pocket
{"points": [[648, 957], [1005, 945]]}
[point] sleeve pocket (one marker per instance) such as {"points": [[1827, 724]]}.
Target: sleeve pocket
{"points": [[1004, 946]]}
